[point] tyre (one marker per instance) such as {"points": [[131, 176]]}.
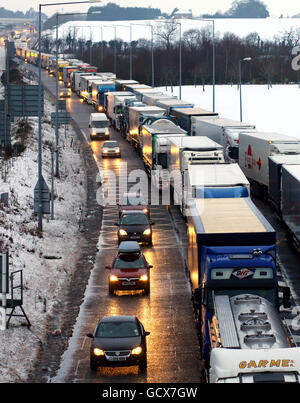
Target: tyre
{"points": [[150, 243], [111, 291], [143, 364], [147, 289], [93, 365]]}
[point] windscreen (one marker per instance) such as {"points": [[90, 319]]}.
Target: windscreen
{"points": [[122, 263], [99, 124], [110, 144], [117, 330], [134, 219]]}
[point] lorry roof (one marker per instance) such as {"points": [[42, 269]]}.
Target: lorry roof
{"points": [[196, 142], [170, 102], [121, 93], [222, 122], [273, 137], [226, 216], [164, 129], [286, 159], [211, 175], [293, 170], [127, 82], [147, 109], [193, 112]]}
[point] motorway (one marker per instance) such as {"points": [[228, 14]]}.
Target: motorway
{"points": [[167, 313]]}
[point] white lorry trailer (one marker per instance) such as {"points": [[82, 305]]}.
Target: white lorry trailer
{"points": [[111, 101], [254, 152], [170, 104], [223, 131], [151, 99]]}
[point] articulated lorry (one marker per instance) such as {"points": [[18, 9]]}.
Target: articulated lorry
{"points": [[223, 131], [75, 77], [255, 150], [151, 99], [276, 163], [97, 90], [184, 116], [121, 84], [290, 202], [112, 100], [232, 265], [137, 115], [154, 144], [139, 93], [170, 104]]}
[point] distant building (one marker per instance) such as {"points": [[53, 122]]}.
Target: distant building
{"points": [[181, 14]]}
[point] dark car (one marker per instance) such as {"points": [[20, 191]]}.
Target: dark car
{"points": [[135, 226], [133, 201], [130, 269], [118, 341]]}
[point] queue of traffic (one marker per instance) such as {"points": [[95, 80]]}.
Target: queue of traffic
{"points": [[231, 255]]}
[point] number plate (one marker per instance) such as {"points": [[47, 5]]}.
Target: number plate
{"points": [[135, 237], [128, 283], [116, 358]]}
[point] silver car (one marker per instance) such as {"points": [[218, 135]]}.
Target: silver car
{"points": [[111, 149]]}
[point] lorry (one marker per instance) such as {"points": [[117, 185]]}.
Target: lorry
{"points": [[98, 126], [250, 343], [290, 202], [75, 79], [184, 115], [231, 261], [170, 104], [135, 119], [119, 109], [67, 70], [121, 84], [133, 87], [276, 163], [139, 93], [151, 99], [154, 143], [254, 152], [97, 89], [223, 131], [112, 99]]}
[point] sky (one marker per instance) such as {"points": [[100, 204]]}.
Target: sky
{"points": [[276, 8]]}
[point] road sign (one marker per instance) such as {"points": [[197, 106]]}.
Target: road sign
{"points": [[45, 203], [23, 100], [5, 126], [63, 118]]}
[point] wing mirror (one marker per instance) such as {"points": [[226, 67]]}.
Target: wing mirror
{"points": [[90, 335], [150, 266], [152, 223], [108, 267], [116, 224], [286, 300], [146, 333]]}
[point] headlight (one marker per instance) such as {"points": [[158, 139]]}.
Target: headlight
{"points": [[117, 150], [113, 278], [107, 133], [144, 277], [105, 151], [122, 232], [147, 232], [136, 351], [145, 210], [98, 352]]}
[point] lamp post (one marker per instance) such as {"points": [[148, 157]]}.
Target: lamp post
{"points": [[246, 59], [40, 176], [130, 55], [152, 47], [115, 45]]}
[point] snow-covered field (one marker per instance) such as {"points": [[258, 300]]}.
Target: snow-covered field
{"points": [[266, 28], [271, 110], [47, 262]]}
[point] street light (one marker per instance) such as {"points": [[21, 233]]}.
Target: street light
{"points": [[40, 175], [130, 55], [246, 59], [152, 47]]}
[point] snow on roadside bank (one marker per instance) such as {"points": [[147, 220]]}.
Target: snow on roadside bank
{"points": [[47, 262]]}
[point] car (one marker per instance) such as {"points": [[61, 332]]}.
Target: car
{"points": [[118, 341], [111, 148], [129, 270], [133, 201], [134, 225], [64, 93]]}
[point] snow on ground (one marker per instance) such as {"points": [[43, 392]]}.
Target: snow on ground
{"points": [[271, 110], [47, 262], [267, 28]]}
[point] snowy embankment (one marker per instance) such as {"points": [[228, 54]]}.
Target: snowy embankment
{"points": [[48, 261], [274, 109]]}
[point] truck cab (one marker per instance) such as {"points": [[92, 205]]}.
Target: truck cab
{"points": [[98, 126]]}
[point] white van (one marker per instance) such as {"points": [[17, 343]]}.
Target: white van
{"points": [[98, 126]]}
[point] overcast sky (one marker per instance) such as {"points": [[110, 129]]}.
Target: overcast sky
{"points": [[276, 8]]}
